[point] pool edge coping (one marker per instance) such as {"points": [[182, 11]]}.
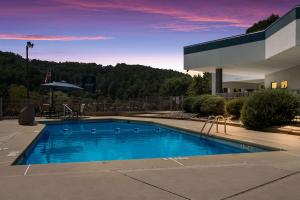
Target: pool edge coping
{"points": [[44, 122]]}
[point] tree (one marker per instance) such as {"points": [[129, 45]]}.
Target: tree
{"points": [[3, 90], [200, 85], [17, 91], [263, 24], [176, 86], [116, 82]]}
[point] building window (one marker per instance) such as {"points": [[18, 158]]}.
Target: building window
{"points": [[284, 84], [274, 85]]}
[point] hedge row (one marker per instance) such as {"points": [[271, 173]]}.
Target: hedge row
{"points": [[269, 108], [205, 105], [262, 109], [234, 107]]}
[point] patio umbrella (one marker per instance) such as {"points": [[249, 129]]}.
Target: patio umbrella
{"points": [[62, 85]]}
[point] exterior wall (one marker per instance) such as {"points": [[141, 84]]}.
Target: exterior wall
{"points": [[260, 54], [298, 32], [240, 53], [207, 58], [241, 85], [282, 40], [291, 75], [228, 55], [278, 42]]}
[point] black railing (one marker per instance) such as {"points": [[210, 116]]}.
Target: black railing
{"points": [[234, 95], [12, 108]]}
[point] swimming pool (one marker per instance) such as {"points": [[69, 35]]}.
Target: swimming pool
{"points": [[85, 141]]}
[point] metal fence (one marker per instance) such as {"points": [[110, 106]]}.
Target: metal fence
{"points": [[10, 109], [234, 95]]}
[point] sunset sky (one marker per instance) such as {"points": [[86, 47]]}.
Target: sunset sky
{"points": [[148, 32]]}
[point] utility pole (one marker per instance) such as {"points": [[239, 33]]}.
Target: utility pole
{"points": [[28, 45]]}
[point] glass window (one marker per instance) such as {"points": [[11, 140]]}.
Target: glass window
{"points": [[284, 84], [274, 85]]}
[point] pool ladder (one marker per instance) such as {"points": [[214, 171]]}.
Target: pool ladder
{"points": [[214, 120]]}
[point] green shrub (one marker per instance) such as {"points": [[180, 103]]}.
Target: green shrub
{"points": [[268, 108], [205, 105], [209, 105], [196, 107], [188, 103], [214, 105], [234, 107]]}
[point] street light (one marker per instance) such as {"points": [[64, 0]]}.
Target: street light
{"points": [[28, 45]]}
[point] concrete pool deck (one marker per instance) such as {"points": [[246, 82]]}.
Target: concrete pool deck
{"points": [[269, 175]]}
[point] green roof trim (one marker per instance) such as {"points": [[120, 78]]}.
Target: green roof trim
{"points": [[289, 17]]}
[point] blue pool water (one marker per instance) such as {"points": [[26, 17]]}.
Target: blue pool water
{"points": [[121, 140]]}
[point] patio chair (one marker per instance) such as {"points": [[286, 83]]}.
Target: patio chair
{"points": [[50, 112], [47, 111], [79, 111]]}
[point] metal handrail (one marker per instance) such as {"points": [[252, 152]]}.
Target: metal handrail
{"points": [[214, 120], [67, 108], [225, 124], [209, 119]]}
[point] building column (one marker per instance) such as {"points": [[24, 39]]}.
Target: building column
{"points": [[219, 80], [213, 83]]}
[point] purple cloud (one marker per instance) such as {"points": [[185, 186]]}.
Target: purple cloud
{"points": [[49, 37]]}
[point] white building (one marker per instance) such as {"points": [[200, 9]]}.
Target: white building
{"points": [[269, 58]]}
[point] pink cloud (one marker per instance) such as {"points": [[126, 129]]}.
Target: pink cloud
{"points": [[187, 27], [141, 6], [202, 14], [181, 27], [186, 12], [49, 37]]}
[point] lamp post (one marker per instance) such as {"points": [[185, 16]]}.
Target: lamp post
{"points": [[28, 45]]}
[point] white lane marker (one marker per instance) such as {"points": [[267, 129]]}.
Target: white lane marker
{"points": [[13, 154], [26, 170], [181, 158], [177, 161]]}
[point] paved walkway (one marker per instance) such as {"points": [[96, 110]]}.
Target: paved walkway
{"points": [[269, 175], [288, 129]]}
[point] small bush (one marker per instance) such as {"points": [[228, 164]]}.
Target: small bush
{"points": [[214, 105], [268, 108], [188, 103], [196, 107], [234, 107], [209, 105]]}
